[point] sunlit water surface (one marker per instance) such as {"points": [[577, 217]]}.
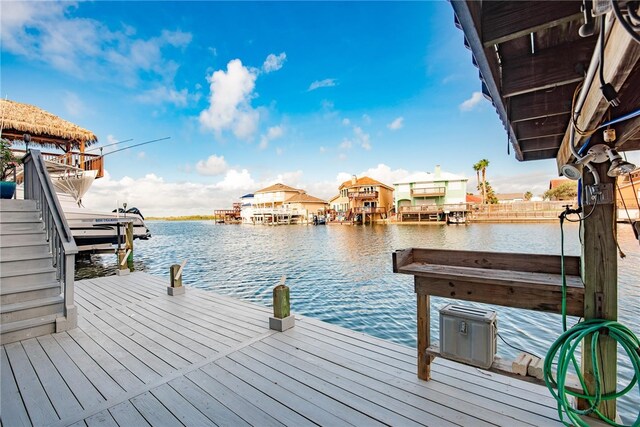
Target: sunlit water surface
{"points": [[343, 274]]}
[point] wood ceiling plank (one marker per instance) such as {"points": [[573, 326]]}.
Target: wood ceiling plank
{"points": [[507, 20], [548, 68], [539, 104], [541, 127]]}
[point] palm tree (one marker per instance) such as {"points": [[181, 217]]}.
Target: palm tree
{"points": [[484, 164], [477, 168], [528, 195]]}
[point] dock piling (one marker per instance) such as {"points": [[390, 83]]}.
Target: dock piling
{"points": [[175, 276], [282, 318]]}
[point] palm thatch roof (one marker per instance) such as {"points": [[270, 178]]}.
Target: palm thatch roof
{"points": [[45, 128]]}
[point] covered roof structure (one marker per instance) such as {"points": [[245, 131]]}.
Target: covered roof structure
{"points": [[44, 128], [365, 180], [534, 64]]}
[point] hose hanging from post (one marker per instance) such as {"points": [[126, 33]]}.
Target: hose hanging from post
{"points": [[565, 346]]}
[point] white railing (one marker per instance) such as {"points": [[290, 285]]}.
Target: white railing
{"points": [[38, 187]]}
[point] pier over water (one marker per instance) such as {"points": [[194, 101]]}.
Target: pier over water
{"points": [[141, 357]]}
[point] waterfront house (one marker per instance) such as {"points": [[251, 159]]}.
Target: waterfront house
{"points": [[279, 203], [362, 199], [426, 196], [510, 197]]}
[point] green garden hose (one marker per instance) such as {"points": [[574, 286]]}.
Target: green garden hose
{"points": [[565, 346]]}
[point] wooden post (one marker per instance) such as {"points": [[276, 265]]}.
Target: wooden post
{"points": [[281, 304], [282, 318], [129, 245], [600, 277], [175, 279], [424, 337]]}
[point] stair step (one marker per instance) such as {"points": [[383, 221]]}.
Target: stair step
{"points": [[21, 226], [27, 216], [21, 293], [9, 253], [25, 329], [25, 263], [17, 205], [19, 238], [31, 309], [28, 277]]}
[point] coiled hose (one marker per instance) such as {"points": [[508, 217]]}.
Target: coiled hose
{"points": [[565, 346]]}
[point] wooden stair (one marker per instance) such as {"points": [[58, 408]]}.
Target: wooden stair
{"points": [[30, 295]]}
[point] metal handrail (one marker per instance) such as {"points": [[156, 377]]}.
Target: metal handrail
{"points": [[39, 187]]}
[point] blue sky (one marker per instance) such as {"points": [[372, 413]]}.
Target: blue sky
{"points": [[253, 93]]}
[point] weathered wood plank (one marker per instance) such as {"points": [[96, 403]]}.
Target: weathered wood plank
{"points": [[59, 394], [544, 127], [81, 387], [536, 297], [541, 104], [264, 402], [113, 360], [343, 403], [277, 388], [534, 263], [126, 414], [35, 398], [424, 335], [153, 411], [98, 377], [180, 407], [144, 364], [503, 20], [471, 392], [13, 412], [401, 258], [235, 402], [208, 405], [169, 356], [101, 419]]}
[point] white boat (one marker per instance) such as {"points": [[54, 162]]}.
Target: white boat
{"points": [[92, 230]]}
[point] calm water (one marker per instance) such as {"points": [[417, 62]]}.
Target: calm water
{"points": [[342, 274]]}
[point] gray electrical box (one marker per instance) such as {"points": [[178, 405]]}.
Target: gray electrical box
{"points": [[468, 335]]}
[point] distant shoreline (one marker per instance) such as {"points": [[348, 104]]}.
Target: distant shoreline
{"points": [[181, 218]]}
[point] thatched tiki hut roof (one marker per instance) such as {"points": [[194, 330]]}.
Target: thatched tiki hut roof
{"points": [[45, 128]]}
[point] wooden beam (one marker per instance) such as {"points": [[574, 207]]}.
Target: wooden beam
{"points": [[538, 128], [546, 298], [600, 277], [546, 69], [546, 143], [540, 155], [546, 103], [507, 20], [622, 55]]}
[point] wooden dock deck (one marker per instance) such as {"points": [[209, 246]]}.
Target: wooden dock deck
{"points": [[140, 357]]}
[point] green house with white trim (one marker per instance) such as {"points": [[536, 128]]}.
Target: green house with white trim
{"points": [[430, 195]]}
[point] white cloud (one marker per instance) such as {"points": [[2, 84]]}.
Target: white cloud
{"points": [[273, 132], [472, 102], [366, 119], [346, 144], [322, 149], [396, 124], [73, 104], [279, 151], [342, 157], [235, 180], [230, 101], [273, 62], [111, 139], [362, 138], [163, 94], [346, 122], [142, 155], [48, 32], [321, 83], [214, 165]]}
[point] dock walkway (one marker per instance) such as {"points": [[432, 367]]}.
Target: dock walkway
{"points": [[140, 357]]}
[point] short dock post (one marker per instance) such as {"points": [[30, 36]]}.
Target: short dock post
{"points": [[282, 318], [122, 255], [424, 337], [129, 245], [175, 276]]}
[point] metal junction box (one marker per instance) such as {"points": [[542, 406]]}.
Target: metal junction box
{"points": [[468, 335]]}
